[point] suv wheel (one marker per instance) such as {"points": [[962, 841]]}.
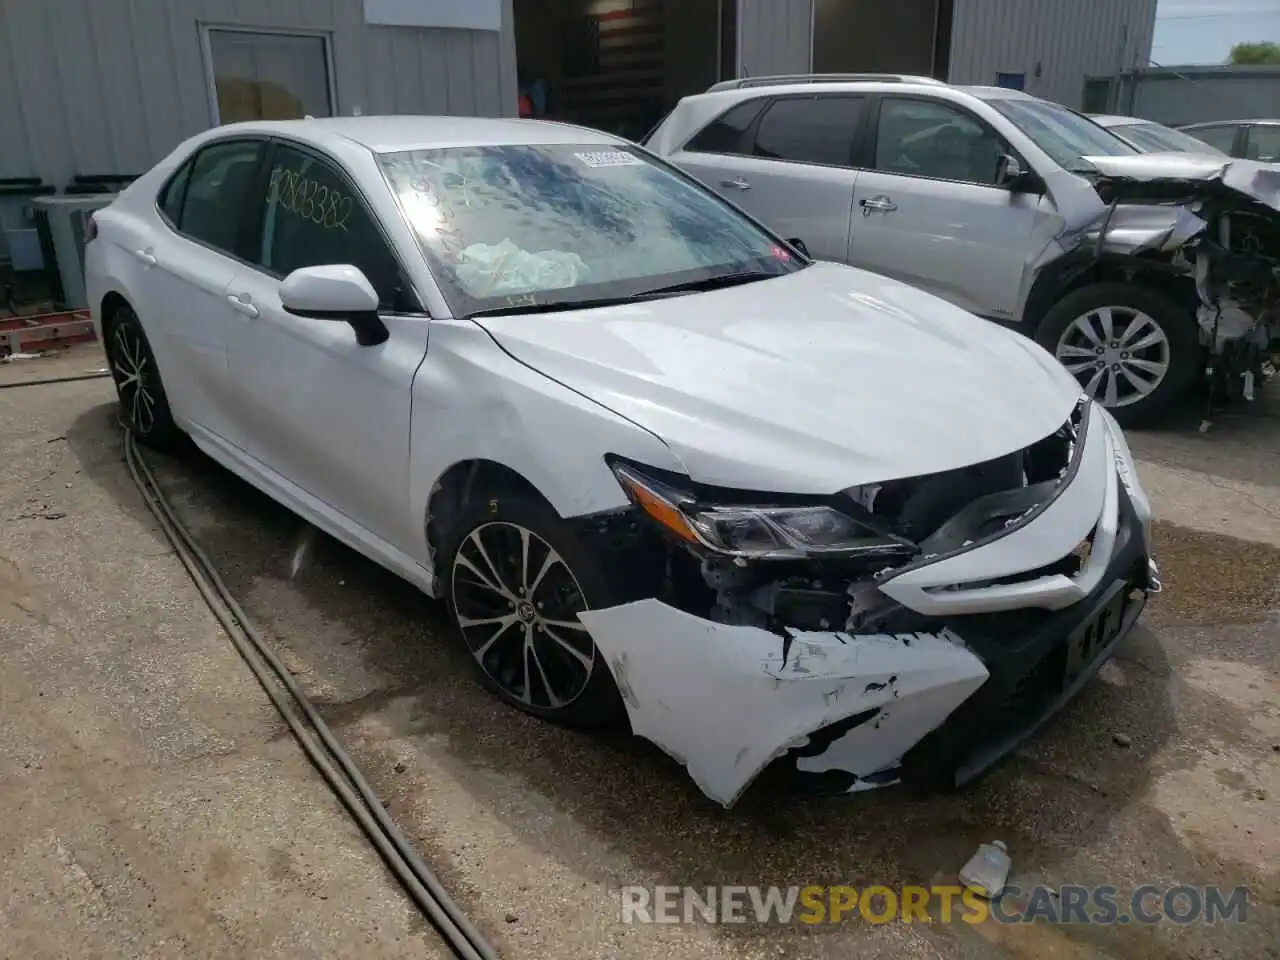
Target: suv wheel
{"points": [[1133, 349]]}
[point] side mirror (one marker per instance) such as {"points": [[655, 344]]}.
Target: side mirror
{"points": [[799, 245], [1013, 176], [335, 292]]}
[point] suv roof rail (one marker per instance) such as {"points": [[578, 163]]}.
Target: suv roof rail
{"points": [[743, 83]]}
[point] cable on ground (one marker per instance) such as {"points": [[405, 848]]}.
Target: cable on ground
{"points": [[352, 789]]}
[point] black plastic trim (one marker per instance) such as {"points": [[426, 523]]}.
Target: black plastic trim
{"points": [[1002, 500], [961, 750]]}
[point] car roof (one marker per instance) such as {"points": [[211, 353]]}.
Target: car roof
{"points": [[997, 93], [1114, 120], [1229, 123], [835, 82], [396, 133]]}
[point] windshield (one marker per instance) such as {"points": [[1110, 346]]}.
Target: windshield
{"points": [[525, 226], [1154, 138], [1065, 136]]}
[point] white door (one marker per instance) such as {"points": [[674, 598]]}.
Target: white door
{"points": [[189, 261], [787, 161], [929, 212], [328, 415]]}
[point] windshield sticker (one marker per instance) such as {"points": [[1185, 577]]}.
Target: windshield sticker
{"points": [[610, 158]]}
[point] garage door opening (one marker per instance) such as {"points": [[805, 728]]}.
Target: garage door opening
{"points": [[870, 36], [620, 65]]}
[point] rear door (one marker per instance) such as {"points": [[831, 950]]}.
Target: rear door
{"points": [[787, 161], [189, 267], [927, 209]]}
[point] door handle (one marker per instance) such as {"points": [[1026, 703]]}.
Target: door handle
{"points": [[243, 306], [736, 184], [881, 203], [145, 257]]}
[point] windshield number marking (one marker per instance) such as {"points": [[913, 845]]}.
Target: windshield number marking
{"points": [[609, 158], [309, 199]]}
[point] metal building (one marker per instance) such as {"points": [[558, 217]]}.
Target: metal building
{"points": [[97, 88], [1192, 94]]}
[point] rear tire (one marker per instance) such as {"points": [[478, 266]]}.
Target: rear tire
{"points": [[516, 576], [1129, 337], [144, 406]]}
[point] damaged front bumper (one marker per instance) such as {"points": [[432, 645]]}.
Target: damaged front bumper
{"points": [[1006, 647]]}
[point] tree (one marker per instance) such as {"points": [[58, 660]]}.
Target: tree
{"points": [[1253, 53]]}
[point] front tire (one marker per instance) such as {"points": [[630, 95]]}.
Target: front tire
{"points": [[516, 578], [1133, 349], [144, 406]]}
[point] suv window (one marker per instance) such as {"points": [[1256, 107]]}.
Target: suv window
{"points": [[1223, 138], [727, 133], [923, 138], [221, 179], [315, 218], [810, 129]]}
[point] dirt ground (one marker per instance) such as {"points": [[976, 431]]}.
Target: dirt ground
{"points": [[157, 806]]}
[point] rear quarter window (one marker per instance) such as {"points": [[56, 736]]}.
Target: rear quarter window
{"points": [[728, 132]]}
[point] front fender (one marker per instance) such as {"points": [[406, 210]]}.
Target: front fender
{"points": [[474, 401]]}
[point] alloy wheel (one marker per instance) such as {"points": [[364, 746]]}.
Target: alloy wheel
{"points": [[517, 604], [134, 374], [1119, 354]]}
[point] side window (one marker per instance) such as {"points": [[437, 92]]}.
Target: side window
{"points": [[213, 204], [924, 138], [173, 193], [313, 218], [727, 133], [811, 129], [1223, 138], [1264, 144]]}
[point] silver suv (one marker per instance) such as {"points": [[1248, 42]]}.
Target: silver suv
{"points": [[977, 194]]}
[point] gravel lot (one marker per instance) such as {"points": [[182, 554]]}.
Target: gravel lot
{"points": [[159, 808]]}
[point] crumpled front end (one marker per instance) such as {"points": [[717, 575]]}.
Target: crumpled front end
{"points": [[1212, 226], [975, 605]]}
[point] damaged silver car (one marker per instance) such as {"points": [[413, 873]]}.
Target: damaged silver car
{"points": [[1204, 229], [1141, 273]]}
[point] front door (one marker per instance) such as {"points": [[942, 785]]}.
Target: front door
{"points": [[789, 165], [321, 411], [928, 211]]}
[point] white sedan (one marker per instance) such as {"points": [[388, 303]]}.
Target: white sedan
{"points": [[660, 465]]}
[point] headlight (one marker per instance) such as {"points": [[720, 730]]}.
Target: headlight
{"points": [[757, 532]]}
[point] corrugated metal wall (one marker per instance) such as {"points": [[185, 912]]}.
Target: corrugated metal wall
{"points": [[1067, 40], [1196, 94], [110, 86], [775, 36]]}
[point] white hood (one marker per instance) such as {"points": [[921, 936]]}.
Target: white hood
{"points": [[809, 383]]}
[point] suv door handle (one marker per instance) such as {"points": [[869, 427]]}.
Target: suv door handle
{"points": [[145, 257], [736, 184], [881, 202], [243, 306]]}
